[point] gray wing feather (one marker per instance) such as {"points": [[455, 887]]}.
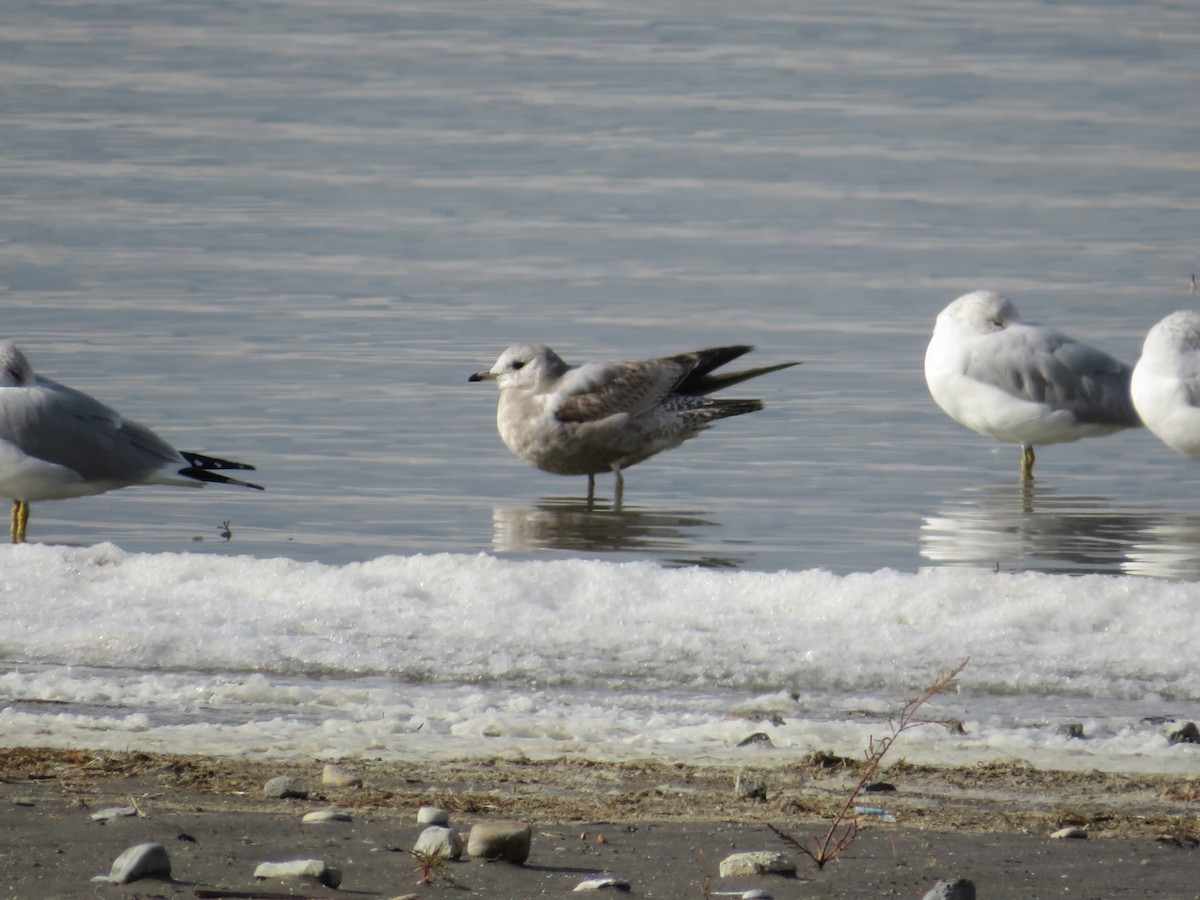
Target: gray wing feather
{"points": [[1043, 366], [68, 428]]}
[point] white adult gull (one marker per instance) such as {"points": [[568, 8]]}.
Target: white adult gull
{"points": [[610, 415], [1022, 383], [1166, 382], [56, 443]]}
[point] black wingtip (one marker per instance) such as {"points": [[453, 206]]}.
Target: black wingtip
{"points": [[206, 468]]}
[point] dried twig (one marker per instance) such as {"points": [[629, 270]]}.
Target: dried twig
{"points": [[844, 827]]}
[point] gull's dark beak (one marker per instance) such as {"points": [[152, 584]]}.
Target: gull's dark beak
{"points": [[482, 376]]}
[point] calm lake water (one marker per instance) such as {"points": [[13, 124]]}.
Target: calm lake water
{"points": [[288, 232]]}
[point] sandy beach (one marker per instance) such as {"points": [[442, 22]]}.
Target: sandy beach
{"points": [[663, 826]]}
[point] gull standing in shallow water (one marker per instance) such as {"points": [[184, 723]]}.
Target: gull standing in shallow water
{"points": [[56, 442], [1166, 382], [1022, 383], [609, 415]]}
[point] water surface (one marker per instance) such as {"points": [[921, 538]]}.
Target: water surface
{"points": [[287, 232]]}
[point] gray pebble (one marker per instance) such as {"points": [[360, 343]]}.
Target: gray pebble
{"points": [[958, 889], [757, 862], [1187, 733], [747, 788], [501, 839], [283, 786], [141, 861], [314, 870]]}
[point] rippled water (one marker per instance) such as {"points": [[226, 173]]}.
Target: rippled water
{"points": [[288, 232]]}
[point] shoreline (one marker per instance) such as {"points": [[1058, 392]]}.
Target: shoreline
{"points": [[661, 825]]}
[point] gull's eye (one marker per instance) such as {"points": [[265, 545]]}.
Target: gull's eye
{"points": [[519, 364]]}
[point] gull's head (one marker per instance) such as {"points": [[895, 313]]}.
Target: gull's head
{"points": [[1177, 333], [979, 312], [15, 370], [525, 366]]}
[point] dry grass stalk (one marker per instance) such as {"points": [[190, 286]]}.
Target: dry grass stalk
{"points": [[844, 827]]}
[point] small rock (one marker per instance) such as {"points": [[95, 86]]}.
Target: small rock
{"points": [[283, 786], [141, 861], [604, 883], [749, 789], [1185, 734], [114, 812], [759, 738], [1071, 831], [757, 862], [314, 870], [756, 894], [320, 816], [958, 889], [432, 815], [501, 839], [438, 840], [1072, 730], [879, 787], [334, 775]]}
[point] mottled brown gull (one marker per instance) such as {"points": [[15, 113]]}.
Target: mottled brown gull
{"points": [[1022, 383], [608, 416], [56, 442]]}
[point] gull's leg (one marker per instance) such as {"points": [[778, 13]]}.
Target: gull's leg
{"points": [[19, 519], [619, 493], [591, 487], [1027, 462]]}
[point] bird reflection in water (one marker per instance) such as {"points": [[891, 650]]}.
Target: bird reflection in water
{"points": [[567, 523], [1026, 526]]}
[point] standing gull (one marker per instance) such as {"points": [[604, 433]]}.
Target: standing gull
{"points": [[56, 442], [1022, 383], [1166, 382], [610, 415]]}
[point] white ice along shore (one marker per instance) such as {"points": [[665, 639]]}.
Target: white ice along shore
{"points": [[431, 656]]}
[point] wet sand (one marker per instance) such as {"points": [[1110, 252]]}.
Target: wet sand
{"points": [[661, 825]]}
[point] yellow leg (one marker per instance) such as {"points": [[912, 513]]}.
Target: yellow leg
{"points": [[19, 520], [1027, 459]]}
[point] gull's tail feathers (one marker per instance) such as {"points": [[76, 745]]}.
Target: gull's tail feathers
{"points": [[206, 468], [701, 380]]}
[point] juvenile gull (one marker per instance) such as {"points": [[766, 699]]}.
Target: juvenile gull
{"points": [[56, 442], [1166, 382], [1022, 383], [610, 415]]}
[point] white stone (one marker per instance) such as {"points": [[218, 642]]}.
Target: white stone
{"points": [[319, 816], [432, 815], [334, 775], [315, 870], [603, 883], [1071, 831], [757, 862], [958, 889], [141, 861], [438, 840], [114, 812]]}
